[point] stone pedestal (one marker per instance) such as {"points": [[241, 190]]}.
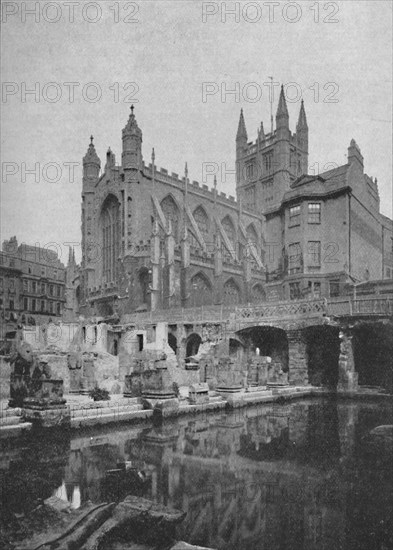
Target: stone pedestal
{"points": [[276, 376], [257, 370], [347, 376], [199, 393], [230, 379], [45, 404]]}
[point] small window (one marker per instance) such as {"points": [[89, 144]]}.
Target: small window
{"points": [[1, 283], [12, 284], [55, 273], [34, 286], [29, 270], [42, 306], [51, 290], [25, 285], [294, 215], [43, 288], [140, 342], [50, 307], [11, 305], [314, 212], [33, 305], [58, 291], [25, 304], [58, 308], [43, 271]]}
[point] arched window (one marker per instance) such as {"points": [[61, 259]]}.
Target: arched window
{"points": [[252, 235], [171, 212], [229, 229], [257, 294], [110, 237], [202, 221], [231, 293], [201, 290]]}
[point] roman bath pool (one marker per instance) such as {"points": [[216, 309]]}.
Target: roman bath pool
{"points": [[310, 474]]}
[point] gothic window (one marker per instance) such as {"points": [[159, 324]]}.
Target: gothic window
{"points": [[202, 221], [171, 212], [231, 293], [110, 241], [268, 162], [230, 232], [258, 294], [250, 198], [252, 235], [201, 291]]}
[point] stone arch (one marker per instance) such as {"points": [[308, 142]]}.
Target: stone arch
{"points": [[171, 211], [258, 294], [192, 344], [373, 352], [110, 236], [172, 342], [201, 290], [322, 353], [202, 220], [232, 294], [270, 341], [236, 349]]}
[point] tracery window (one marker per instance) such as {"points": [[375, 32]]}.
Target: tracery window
{"points": [[230, 232], [171, 212], [258, 294], [202, 221], [201, 290], [231, 293], [110, 240]]}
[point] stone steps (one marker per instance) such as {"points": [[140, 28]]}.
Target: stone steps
{"points": [[107, 417]]}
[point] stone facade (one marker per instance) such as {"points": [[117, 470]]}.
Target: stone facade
{"points": [[153, 240], [32, 285]]}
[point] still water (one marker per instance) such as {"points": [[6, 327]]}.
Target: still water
{"points": [[307, 475]]}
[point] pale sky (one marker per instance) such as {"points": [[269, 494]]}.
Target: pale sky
{"points": [[169, 52]]}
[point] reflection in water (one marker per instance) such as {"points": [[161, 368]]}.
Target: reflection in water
{"points": [[304, 475]]}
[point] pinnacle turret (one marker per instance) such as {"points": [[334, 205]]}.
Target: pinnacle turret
{"points": [[241, 129], [91, 163], [282, 109], [302, 122]]}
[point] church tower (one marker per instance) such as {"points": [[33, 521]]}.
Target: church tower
{"points": [[266, 168], [131, 158]]}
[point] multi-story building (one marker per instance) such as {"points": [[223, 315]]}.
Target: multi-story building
{"points": [[152, 239], [32, 284]]}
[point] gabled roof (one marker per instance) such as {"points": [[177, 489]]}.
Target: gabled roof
{"points": [[327, 183]]}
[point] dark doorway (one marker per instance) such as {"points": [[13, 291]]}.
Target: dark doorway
{"points": [[373, 354], [193, 343], [172, 341], [323, 350]]}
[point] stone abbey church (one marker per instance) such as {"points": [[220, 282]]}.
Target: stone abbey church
{"points": [[155, 240]]}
